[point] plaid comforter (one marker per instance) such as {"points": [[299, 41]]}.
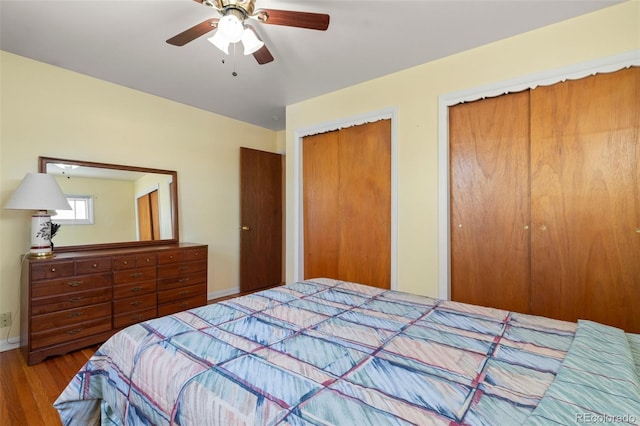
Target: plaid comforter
{"points": [[327, 352]]}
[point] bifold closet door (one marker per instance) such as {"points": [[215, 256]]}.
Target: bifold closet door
{"points": [[320, 178], [347, 204], [585, 193], [489, 167]]}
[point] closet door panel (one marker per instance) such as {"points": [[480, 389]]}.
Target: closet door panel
{"points": [[489, 152], [585, 198], [320, 178], [365, 204]]}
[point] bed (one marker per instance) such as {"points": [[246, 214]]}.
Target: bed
{"points": [[328, 352]]}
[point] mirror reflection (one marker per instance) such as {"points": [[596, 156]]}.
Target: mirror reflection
{"points": [[113, 204]]}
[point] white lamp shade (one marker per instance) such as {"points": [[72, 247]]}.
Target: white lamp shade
{"points": [[231, 28], [251, 42], [220, 42], [38, 191]]}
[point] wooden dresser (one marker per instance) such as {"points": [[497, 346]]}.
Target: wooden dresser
{"points": [[78, 299]]}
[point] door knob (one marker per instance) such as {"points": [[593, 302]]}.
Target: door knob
{"points": [[245, 228]]}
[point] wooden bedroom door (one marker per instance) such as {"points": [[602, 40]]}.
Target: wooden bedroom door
{"points": [[489, 202], [260, 219], [347, 204], [585, 196]]}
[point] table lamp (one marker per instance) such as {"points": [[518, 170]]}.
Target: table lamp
{"points": [[39, 191]]}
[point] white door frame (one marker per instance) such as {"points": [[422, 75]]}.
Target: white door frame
{"points": [[298, 225]]}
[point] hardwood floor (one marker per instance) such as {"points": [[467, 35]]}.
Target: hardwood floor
{"points": [[28, 392]]}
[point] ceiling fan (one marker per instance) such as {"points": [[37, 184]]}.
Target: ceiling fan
{"points": [[232, 27]]}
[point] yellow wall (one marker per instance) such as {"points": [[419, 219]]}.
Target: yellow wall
{"points": [[414, 92], [48, 111]]}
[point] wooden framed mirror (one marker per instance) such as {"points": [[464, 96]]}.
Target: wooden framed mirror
{"points": [[114, 205]]}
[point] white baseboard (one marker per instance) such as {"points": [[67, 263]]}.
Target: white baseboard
{"points": [[5, 345], [223, 293]]}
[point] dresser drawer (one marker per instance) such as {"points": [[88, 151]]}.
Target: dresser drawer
{"points": [[181, 269], [52, 270], [69, 317], [134, 261], [179, 293], [70, 285], [181, 305], [67, 334], [134, 289], [135, 303], [91, 266], [125, 320], [195, 254], [134, 275], [69, 301], [170, 256], [182, 280]]}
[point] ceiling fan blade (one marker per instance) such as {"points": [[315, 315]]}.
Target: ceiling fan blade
{"points": [[289, 18], [194, 32], [262, 55]]}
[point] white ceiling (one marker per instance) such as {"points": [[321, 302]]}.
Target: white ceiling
{"points": [[123, 41]]}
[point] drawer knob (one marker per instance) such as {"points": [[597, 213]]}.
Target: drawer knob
{"points": [[75, 283], [95, 265], [53, 269], [171, 257], [147, 260], [125, 262]]}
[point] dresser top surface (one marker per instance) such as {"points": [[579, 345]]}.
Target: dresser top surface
{"points": [[115, 252]]}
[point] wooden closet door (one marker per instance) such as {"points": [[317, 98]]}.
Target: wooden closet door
{"points": [[321, 216], [365, 204], [145, 222], [489, 155], [586, 199], [347, 204]]}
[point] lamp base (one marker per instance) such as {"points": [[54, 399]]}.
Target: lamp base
{"points": [[47, 255], [41, 236]]}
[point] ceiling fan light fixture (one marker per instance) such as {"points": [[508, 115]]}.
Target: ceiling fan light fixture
{"points": [[251, 41], [231, 28], [219, 41]]}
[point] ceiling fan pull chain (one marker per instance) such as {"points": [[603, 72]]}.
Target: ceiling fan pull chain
{"points": [[234, 73]]}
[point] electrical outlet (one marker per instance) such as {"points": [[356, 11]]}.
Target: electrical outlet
{"points": [[5, 319]]}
